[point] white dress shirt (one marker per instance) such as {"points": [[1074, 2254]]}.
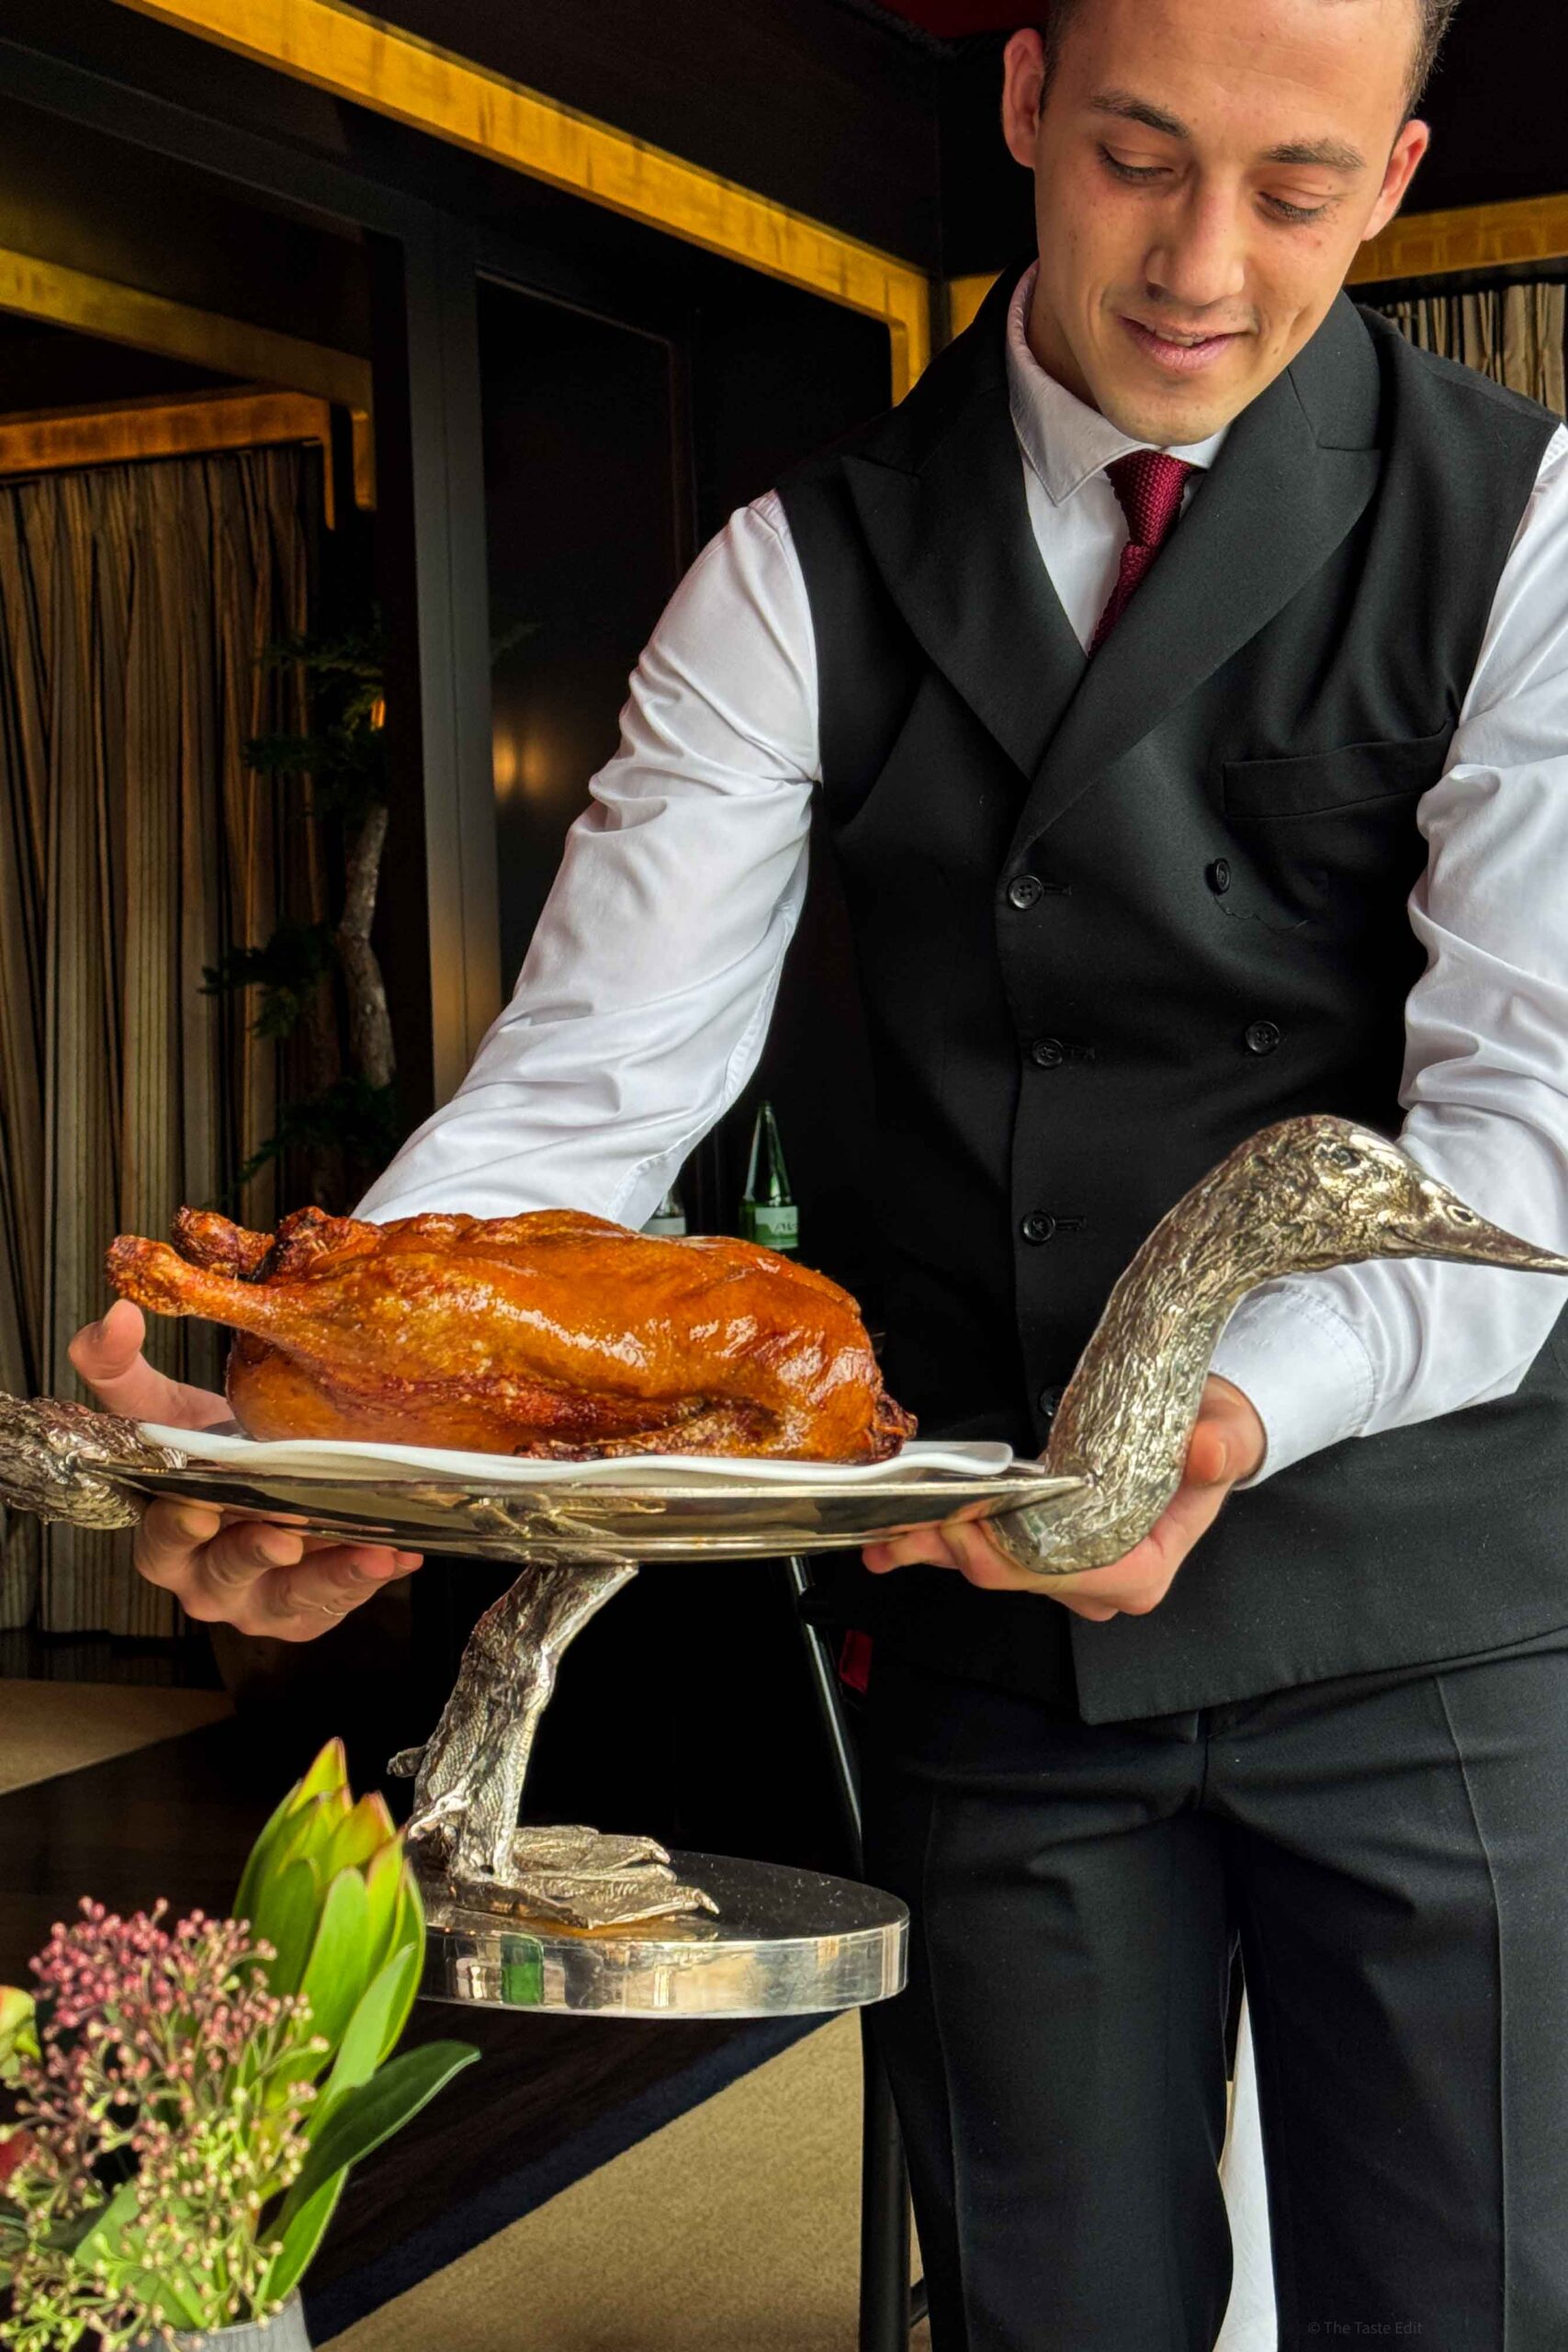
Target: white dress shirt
{"points": [[642, 1006]]}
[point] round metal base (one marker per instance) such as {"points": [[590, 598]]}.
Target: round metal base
{"points": [[785, 1943]]}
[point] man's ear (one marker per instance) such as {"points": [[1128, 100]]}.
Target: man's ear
{"points": [[1403, 156], [1023, 92]]}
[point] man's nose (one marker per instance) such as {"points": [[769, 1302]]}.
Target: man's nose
{"points": [[1199, 260]]}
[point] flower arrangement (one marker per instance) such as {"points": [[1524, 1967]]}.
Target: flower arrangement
{"points": [[189, 2097]]}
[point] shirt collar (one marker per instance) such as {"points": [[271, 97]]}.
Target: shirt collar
{"points": [[1064, 439]]}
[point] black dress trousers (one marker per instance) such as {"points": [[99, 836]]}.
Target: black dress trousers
{"points": [[1392, 1851]]}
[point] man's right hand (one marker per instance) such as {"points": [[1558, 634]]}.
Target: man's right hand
{"points": [[249, 1573]]}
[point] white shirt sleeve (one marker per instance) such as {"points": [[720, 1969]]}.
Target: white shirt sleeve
{"points": [[644, 1001], [1378, 1345]]}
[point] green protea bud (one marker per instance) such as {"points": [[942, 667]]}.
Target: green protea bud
{"points": [[328, 1888]]}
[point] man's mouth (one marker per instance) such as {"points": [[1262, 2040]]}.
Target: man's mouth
{"points": [[1177, 350]]}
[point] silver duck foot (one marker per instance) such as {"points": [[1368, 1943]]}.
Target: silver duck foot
{"points": [[463, 1837], [580, 1878]]}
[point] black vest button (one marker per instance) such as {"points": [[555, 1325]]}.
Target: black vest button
{"points": [[1262, 1037], [1025, 890], [1220, 873], [1049, 1400], [1038, 1227], [1047, 1052]]}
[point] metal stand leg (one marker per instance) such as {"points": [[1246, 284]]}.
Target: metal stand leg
{"points": [[888, 2309]]}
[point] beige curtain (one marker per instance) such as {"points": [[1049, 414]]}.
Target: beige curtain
{"points": [[135, 605], [1513, 334]]}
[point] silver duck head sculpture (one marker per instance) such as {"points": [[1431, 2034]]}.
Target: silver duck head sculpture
{"points": [[1296, 1197]]}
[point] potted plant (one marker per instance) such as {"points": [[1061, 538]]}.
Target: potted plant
{"points": [[189, 2097]]}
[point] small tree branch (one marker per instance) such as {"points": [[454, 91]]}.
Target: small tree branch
{"points": [[370, 1023]]}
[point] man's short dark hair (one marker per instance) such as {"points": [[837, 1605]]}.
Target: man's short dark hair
{"points": [[1434, 16]]}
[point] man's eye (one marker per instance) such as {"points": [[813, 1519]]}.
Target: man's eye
{"points": [[1284, 209], [1138, 175]]}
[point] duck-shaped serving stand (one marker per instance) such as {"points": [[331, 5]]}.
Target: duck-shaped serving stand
{"points": [[1302, 1195], [1296, 1198]]}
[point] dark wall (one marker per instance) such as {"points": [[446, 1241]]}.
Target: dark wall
{"points": [[582, 499], [816, 103], [94, 203], [1495, 106], [45, 366]]}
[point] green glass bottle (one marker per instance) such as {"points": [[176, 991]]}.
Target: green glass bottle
{"points": [[670, 1217], [768, 1211]]}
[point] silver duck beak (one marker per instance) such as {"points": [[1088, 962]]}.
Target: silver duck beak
{"points": [[1445, 1227]]}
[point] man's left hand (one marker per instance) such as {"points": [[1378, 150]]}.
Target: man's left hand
{"points": [[1227, 1443]]}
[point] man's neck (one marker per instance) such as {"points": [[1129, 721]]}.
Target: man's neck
{"points": [[1050, 348]]}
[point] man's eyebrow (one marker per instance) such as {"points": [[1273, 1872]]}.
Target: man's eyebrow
{"points": [[1329, 154], [1333, 154], [1134, 110]]}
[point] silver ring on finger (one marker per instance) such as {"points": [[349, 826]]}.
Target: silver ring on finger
{"points": [[326, 1608]]}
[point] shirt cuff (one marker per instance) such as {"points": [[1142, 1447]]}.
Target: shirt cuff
{"points": [[1304, 1369]]}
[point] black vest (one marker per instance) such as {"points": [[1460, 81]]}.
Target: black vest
{"points": [[1071, 1022]]}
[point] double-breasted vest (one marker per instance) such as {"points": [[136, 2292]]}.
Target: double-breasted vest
{"points": [[1112, 917]]}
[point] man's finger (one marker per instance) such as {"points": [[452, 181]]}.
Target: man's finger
{"points": [[301, 1602], [107, 1355]]}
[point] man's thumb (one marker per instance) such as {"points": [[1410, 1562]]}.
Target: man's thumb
{"points": [[1208, 1456], [103, 1349]]}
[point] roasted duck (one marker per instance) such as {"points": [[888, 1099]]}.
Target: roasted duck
{"points": [[556, 1333]]}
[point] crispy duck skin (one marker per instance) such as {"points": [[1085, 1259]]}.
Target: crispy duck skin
{"points": [[555, 1333]]}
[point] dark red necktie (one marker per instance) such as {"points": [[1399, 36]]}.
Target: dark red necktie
{"points": [[1148, 484]]}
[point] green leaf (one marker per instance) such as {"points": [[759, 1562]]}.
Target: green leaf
{"points": [[325, 1775], [258, 1862], [288, 1914], [370, 2033], [328, 1770], [372, 2113], [383, 1883], [408, 1925], [359, 1836], [314, 1826], [182, 2304], [106, 2228], [300, 2235], [334, 1974], [18, 2030]]}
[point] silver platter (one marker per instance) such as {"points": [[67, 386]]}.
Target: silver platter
{"points": [[716, 1518], [786, 1943]]}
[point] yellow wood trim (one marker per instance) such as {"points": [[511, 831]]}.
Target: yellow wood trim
{"points": [[353, 56], [363, 444], [1472, 236], [49, 440], [72, 298], [34, 288], [964, 296]]}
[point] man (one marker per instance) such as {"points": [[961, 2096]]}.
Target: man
{"points": [[1180, 675]]}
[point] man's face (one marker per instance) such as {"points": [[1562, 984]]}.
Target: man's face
{"points": [[1204, 170]]}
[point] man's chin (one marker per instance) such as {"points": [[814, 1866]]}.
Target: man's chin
{"points": [[1169, 422]]}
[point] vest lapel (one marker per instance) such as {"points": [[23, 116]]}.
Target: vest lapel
{"points": [[954, 546], [1297, 470], [943, 511]]}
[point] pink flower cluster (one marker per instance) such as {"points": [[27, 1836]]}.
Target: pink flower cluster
{"points": [[162, 2055]]}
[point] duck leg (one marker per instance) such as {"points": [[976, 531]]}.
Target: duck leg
{"points": [[468, 1777]]}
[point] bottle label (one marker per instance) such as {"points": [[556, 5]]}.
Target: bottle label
{"points": [[776, 1224]]}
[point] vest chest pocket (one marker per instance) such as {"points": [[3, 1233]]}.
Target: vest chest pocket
{"points": [[1333, 835]]}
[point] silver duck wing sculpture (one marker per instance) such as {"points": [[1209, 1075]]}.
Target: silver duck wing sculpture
{"points": [[1301, 1195]]}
